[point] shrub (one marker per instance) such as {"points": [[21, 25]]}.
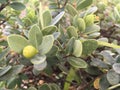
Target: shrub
{"points": [[71, 45]]}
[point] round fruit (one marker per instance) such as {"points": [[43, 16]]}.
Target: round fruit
{"points": [[29, 51]]}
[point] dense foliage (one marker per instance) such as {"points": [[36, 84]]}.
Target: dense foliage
{"points": [[59, 44]]}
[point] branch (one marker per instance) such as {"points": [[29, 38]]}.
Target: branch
{"points": [[65, 3], [4, 5], [58, 3], [3, 22], [85, 86]]}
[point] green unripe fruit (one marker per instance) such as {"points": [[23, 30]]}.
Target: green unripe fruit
{"points": [[89, 19], [77, 48], [81, 24], [29, 51], [72, 32]]}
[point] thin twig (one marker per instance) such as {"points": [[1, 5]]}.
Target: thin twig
{"points": [[83, 87], [58, 3], [65, 3], [3, 22], [4, 5], [1, 8], [26, 69]]}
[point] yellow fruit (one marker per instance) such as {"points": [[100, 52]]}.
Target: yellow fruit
{"points": [[29, 51]]}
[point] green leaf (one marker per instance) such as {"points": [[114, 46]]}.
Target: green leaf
{"points": [[38, 59], [2, 17], [69, 46], [116, 67], [80, 23], [49, 30], [48, 70], [17, 6], [53, 51], [2, 84], [103, 39], [102, 43], [92, 29], [91, 10], [63, 68], [57, 18], [47, 18], [54, 86], [40, 18], [35, 72], [75, 20], [25, 61], [99, 63], [27, 21], [32, 88], [71, 10], [93, 70], [46, 44], [3, 43], [70, 77], [116, 13], [118, 50], [40, 66], [52, 61], [17, 42], [89, 46], [53, 5], [3, 1], [107, 58], [77, 62], [104, 84], [117, 59], [72, 32], [56, 35], [89, 19], [113, 77], [1, 50], [83, 4], [35, 36], [3, 53], [12, 72], [19, 21], [77, 48], [62, 33], [4, 70], [44, 87], [94, 35], [12, 82]]}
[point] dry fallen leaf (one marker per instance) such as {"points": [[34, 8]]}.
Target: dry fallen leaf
{"points": [[96, 83]]}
